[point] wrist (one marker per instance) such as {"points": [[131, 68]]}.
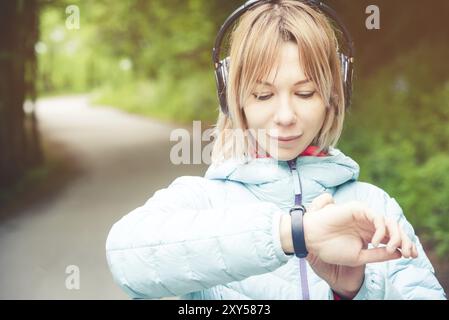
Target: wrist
{"points": [[286, 234], [344, 295], [308, 231], [346, 292]]}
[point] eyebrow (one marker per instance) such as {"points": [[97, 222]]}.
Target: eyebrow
{"points": [[271, 85]]}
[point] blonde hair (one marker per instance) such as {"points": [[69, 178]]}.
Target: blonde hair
{"points": [[255, 44]]}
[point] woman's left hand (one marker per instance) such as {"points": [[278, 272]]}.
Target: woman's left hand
{"points": [[344, 280], [347, 280]]}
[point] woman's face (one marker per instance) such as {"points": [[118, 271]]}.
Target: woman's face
{"points": [[286, 112]]}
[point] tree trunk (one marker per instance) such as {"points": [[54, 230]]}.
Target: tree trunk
{"points": [[33, 143], [17, 28]]}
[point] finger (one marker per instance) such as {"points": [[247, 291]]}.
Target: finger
{"points": [[377, 255], [406, 246], [414, 251], [379, 234], [395, 235], [321, 201]]}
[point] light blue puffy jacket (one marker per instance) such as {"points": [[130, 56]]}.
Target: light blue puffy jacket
{"points": [[217, 237]]}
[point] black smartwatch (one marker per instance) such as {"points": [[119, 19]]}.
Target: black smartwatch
{"points": [[299, 243]]}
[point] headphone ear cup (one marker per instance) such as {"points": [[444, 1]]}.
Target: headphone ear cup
{"points": [[221, 78]]}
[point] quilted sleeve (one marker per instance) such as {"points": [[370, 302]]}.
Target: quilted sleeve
{"points": [[177, 242], [402, 278]]}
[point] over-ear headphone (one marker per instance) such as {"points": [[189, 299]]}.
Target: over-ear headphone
{"points": [[222, 66]]}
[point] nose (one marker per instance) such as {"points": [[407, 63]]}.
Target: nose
{"points": [[285, 114]]}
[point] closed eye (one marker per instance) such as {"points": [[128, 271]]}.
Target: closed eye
{"points": [[262, 97], [305, 95]]}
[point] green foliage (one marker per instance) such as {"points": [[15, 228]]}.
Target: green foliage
{"points": [[158, 63], [180, 100], [399, 134], [154, 58]]}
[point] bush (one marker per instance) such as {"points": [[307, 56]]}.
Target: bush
{"points": [[398, 132], [180, 100]]}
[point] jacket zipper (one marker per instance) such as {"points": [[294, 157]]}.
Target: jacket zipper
{"points": [[298, 201]]}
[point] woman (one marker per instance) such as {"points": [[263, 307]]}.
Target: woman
{"points": [[229, 235]]}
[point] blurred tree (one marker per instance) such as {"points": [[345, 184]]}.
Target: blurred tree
{"points": [[397, 130], [403, 25], [19, 141]]}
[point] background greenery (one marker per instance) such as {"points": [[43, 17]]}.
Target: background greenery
{"points": [[153, 58], [398, 132]]}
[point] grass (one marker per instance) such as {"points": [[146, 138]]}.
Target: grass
{"points": [[174, 100]]}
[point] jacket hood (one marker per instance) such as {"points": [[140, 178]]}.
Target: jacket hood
{"points": [[329, 171], [272, 180]]}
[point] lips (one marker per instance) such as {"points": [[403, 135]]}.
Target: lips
{"points": [[286, 138]]}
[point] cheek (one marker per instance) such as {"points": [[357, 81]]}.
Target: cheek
{"points": [[314, 114], [311, 123], [318, 117], [317, 112], [256, 117]]}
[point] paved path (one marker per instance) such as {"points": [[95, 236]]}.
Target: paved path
{"points": [[124, 160]]}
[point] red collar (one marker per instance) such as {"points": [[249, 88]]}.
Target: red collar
{"points": [[309, 151]]}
